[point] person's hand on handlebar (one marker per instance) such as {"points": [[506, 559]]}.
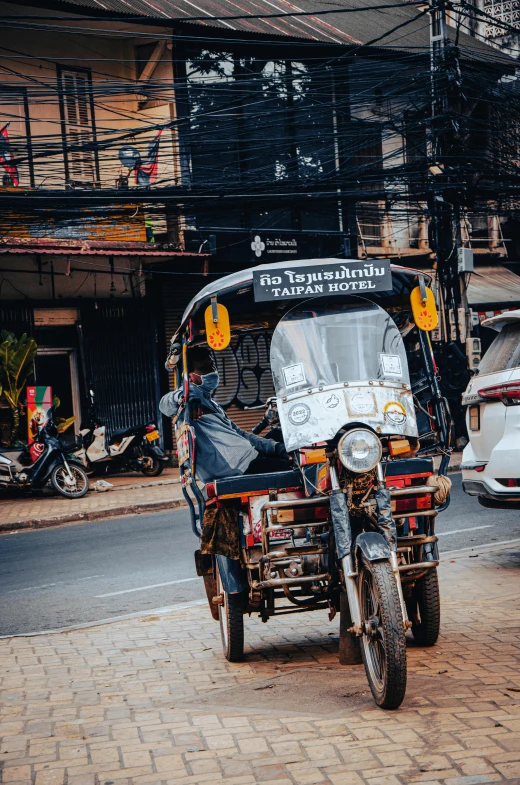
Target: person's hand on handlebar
{"points": [[281, 452]]}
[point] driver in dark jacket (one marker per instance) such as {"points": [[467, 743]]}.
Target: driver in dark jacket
{"points": [[223, 449]]}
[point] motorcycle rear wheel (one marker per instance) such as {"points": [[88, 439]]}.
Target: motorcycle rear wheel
{"points": [[424, 609], [231, 618], [153, 468], [384, 648], [75, 489]]}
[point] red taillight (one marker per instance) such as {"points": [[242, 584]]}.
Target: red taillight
{"points": [[480, 467], [508, 393], [210, 490], [413, 503], [150, 428]]}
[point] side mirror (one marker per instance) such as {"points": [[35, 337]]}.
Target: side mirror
{"points": [[218, 330], [424, 309]]}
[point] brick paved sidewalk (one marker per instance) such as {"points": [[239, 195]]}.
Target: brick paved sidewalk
{"points": [[151, 701], [131, 493]]}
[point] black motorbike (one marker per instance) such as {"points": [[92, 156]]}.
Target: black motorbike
{"points": [[53, 465], [131, 449]]}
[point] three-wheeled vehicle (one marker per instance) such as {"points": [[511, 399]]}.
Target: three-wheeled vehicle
{"points": [[351, 526]]}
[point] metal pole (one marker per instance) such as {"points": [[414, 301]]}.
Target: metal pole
{"points": [[445, 207]]}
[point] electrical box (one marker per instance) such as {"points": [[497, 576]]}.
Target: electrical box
{"points": [[473, 352], [475, 321], [465, 260], [462, 323], [436, 335], [453, 329]]}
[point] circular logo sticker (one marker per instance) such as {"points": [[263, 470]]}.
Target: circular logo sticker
{"points": [[299, 414], [330, 401], [395, 412], [362, 403]]}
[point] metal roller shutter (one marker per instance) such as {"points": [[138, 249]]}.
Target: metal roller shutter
{"points": [[120, 343]]}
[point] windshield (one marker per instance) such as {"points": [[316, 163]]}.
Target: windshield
{"points": [[319, 344], [504, 352]]}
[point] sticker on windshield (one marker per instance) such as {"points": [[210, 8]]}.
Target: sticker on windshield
{"points": [[293, 374], [299, 414], [391, 365]]}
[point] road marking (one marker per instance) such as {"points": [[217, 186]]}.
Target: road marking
{"points": [[144, 588], [489, 546], [458, 531], [49, 585]]}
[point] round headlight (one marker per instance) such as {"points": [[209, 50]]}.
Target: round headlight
{"points": [[359, 451]]}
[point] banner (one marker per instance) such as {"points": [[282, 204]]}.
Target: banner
{"points": [[322, 280], [39, 401]]}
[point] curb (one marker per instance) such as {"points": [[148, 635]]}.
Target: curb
{"points": [[94, 515], [111, 620], [113, 512]]}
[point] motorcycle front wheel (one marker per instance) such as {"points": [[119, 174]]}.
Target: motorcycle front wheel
{"points": [[73, 485], [383, 643]]}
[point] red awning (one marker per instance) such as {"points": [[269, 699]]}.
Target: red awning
{"points": [[92, 248]]}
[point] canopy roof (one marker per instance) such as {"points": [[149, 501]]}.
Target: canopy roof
{"points": [[399, 28], [493, 284], [240, 283]]}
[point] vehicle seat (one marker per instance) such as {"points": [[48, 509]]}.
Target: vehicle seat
{"points": [[119, 435], [20, 458], [247, 483]]}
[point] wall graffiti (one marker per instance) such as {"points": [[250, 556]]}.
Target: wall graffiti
{"points": [[245, 373]]}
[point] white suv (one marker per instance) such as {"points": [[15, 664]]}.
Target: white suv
{"points": [[491, 460]]}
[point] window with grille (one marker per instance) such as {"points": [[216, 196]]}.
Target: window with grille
{"points": [[78, 126], [503, 11]]}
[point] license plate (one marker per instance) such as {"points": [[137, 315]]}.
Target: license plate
{"points": [[474, 418], [153, 436]]}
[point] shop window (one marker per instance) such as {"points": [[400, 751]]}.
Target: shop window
{"points": [[78, 126]]}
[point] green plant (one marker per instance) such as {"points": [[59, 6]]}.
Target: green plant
{"points": [[62, 423], [16, 364]]}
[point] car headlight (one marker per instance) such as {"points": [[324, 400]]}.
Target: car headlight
{"points": [[359, 451]]}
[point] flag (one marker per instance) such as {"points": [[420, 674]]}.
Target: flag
{"points": [[146, 171], [7, 157]]}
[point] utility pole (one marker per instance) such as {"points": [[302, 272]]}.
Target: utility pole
{"points": [[445, 203], [441, 204]]}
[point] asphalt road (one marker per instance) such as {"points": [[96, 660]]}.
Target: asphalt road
{"points": [[86, 572]]}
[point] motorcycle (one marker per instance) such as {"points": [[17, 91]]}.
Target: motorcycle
{"points": [[350, 527], [52, 463], [130, 449]]}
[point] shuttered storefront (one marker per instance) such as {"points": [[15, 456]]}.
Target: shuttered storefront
{"points": [[120, 348]]}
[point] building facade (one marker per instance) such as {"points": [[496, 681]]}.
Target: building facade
{"points": [[145, 152]]}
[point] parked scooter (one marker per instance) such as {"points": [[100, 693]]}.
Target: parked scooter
{"points": [[131, 449], [53, 464]]}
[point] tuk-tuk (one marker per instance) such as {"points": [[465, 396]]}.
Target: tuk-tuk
{"points": [[350, 526]]}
